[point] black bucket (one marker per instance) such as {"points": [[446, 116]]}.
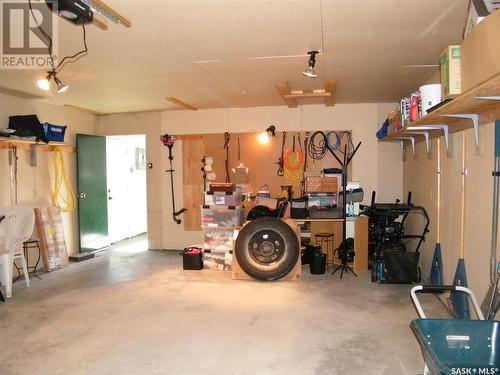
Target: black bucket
{"points": [[318, 263]]}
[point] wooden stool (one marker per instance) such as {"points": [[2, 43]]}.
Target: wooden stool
{"points": [[325, 241]]}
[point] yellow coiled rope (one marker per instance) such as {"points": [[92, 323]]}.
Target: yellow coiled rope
{"points": [[66, 202]]}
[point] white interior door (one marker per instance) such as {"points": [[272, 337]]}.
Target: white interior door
{"points": [[126, 175]]}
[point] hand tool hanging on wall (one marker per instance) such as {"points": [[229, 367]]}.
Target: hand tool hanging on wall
{"points": [[436, 276], [294, 164], [241, 171], [227, 138], [169, 140], [279, 172], [303, 182], [460, 300]]}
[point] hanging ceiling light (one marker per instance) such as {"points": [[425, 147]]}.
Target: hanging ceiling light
{"points": [[61, 87], [309, 72], [44, 83]]}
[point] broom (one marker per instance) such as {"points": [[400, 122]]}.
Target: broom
{"points": [[459, 300]]}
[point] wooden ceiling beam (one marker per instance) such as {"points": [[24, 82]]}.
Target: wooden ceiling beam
{"points": [[284, 91], [180, 103], [330, 87]]}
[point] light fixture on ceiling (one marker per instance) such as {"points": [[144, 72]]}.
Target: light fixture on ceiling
{"points": [[44, 83], [310, 72]]}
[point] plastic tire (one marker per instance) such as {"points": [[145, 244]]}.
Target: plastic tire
{"points": [[267, 249]]}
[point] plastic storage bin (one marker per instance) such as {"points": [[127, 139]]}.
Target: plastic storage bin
{"points": [[54, 133], [218, 239], [228, 198], [214, 216]]}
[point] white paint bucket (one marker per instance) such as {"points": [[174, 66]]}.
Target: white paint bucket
{"points": [[430, 95]]}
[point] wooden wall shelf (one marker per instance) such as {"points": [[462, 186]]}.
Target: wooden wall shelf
{"points": [[481, 100], [21, 144]]}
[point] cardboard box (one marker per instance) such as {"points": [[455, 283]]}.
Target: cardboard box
{"points": [[321, 184], [481, 52], [51, 234], [450, 68]]}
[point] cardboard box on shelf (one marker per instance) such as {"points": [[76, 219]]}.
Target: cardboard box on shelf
{"points": [[481, 52], [450, 70]]}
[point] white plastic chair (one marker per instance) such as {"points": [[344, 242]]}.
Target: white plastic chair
{"points": [[18, 226]]}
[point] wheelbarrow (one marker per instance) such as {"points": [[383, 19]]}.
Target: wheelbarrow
{"points": [[456, 346]]}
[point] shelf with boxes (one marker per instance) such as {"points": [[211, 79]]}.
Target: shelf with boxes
{"points": [[221, 215], [477, 106], [470, 89]]}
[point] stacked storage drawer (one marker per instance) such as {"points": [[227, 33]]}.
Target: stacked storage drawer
{"points": [[218, 224], [322, 197]]}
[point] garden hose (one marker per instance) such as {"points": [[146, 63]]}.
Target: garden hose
{"points": [[65, 203]]}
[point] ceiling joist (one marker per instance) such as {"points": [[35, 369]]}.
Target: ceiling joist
{"points": [[181, 104], [330, 87], [290, 96]]}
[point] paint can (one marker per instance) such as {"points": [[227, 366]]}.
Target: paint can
{"points": [[430, 95]]}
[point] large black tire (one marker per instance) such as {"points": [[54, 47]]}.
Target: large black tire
{"points": [[267, 249]]}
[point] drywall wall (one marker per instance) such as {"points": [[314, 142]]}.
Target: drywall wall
{"points": [[362, 119], [420, 177], [35, 183]]}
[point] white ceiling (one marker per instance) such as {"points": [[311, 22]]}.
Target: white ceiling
{"points": [[364, 45]]}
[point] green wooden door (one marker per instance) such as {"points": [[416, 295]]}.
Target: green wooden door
{"points": [[92, 192]]}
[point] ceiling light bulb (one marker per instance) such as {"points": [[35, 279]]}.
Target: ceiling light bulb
{"points": [[61, 87], [43, 83], [309, 72], [263, 138]]}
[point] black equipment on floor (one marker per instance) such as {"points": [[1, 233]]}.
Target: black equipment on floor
{"points": [[318, 262], [263, 211], [267, 248], [169, 140], [345, 253], [388, 258]]}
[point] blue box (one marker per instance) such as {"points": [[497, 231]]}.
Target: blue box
{"points": [[54, 133]]}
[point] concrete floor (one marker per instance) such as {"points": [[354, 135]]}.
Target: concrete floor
{"points": [[131, 311]]}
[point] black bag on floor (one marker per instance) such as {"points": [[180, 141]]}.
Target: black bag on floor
{"points": [[401, 267], [27, 126]]}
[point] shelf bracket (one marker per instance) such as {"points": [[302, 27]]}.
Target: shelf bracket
{"points": [[427, 139], [488, 97], [442, 127], [411, 139], [401, 146], [475, 122]]}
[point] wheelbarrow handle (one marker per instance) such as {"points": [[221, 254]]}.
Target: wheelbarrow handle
{"points": [[442, 288]]}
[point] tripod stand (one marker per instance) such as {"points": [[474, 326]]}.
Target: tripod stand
{"points": [[343, 267]]}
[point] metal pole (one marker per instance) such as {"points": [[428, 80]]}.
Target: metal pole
{"points": [[13, 174], [494, 220]]}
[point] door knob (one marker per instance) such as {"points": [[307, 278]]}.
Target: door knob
{"points": [[82, 195]]}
